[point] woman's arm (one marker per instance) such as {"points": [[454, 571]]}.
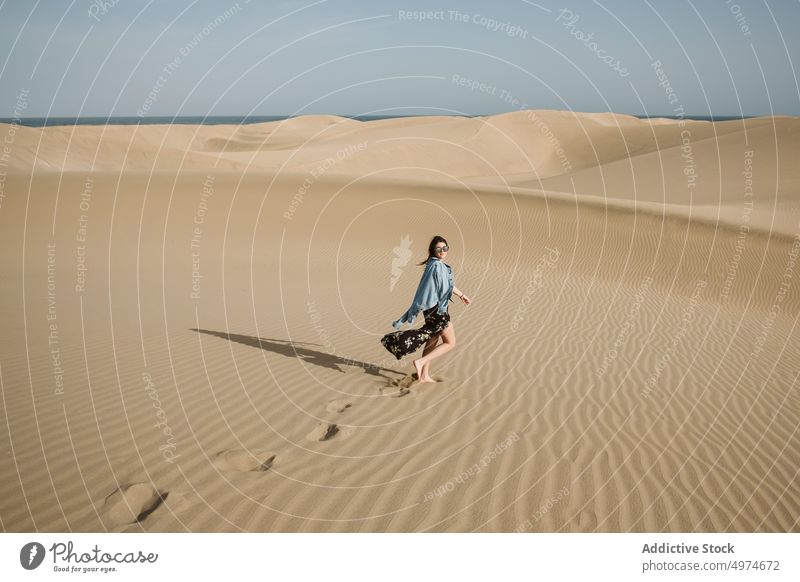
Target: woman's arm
{"points": [[460, 294]]}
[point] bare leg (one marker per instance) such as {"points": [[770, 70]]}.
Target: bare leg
{"points": [[426, 372], [449, 342]]}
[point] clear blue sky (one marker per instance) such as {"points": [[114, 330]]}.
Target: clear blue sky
{"points": [[108, 57]]}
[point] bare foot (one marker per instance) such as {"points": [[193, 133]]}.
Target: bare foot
{"points": [[418, 367], [428, 379], [426, 373]]}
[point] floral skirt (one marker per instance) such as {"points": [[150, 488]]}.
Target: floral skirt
{"points": [[402, 343]]}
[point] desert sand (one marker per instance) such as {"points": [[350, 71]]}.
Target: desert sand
{"points": [[192, 314]]}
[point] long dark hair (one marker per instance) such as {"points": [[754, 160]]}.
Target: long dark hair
{"points": [[434, 241]]}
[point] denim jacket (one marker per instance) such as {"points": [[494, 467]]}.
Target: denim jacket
{"points": [[435, 288]]}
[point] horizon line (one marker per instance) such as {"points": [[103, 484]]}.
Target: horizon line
{"points": [[245, 115]]}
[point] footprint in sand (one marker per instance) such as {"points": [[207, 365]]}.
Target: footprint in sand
{"points": [[397, 388], [394, 391], [131, 503], [404, 382], [322, 432], [338, 405], [409, 380], [244, 460]]}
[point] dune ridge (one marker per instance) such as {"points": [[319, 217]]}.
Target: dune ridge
{"points": [[593, 157]]}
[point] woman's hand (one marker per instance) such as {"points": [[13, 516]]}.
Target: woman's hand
{"points": [[465, 299]]}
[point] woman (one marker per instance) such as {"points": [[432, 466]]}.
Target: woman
{"points": [[432, 296]]}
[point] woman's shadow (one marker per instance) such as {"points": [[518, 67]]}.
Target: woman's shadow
{"points": [[293, 349]]}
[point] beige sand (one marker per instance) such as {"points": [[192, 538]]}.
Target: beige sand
{"points": [[629, 361]]}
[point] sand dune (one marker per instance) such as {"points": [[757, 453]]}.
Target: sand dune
{"points": [[192, 315], [662, 166]]}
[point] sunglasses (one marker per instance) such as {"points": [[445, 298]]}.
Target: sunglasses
{"points": [[443, 249]]}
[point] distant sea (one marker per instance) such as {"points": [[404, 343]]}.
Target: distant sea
{"points": [[246, 119]]}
